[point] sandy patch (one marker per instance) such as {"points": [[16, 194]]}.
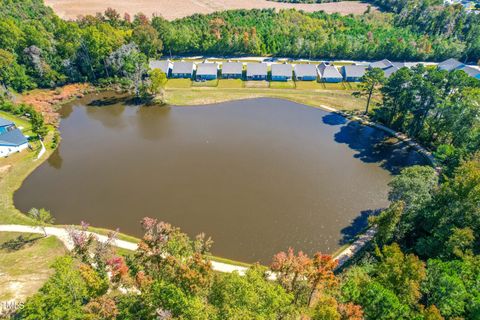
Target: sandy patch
{"points": [[173, 9]]}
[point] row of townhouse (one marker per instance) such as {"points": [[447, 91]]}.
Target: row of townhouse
{"points": [[325, 71]]}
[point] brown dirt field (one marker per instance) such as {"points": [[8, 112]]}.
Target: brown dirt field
{"points": [[173, 9]]}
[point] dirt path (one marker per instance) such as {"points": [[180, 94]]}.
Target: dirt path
{"points": [[171, 9]]}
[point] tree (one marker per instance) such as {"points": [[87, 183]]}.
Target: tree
{"points": [[321, 277], [290, 269], [61, 297], [165, 253], [148, 41], [387, 222], [401, 273], [38, 124], [370, 84], [42, 218], [414, 186], [250, 296], [156, 84], [450, 286]]}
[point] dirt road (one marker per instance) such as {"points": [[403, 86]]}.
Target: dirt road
{"points": [[173, 9]]}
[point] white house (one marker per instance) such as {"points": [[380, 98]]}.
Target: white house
{"points": [[11, 138]]}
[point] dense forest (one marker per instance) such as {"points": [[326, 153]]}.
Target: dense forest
{"points": [[431, 17], [38, 49], [424, 262]]}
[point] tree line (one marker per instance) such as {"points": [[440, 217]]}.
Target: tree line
{"points": [[38, 49]]}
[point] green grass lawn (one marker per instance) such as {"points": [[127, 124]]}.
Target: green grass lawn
{"points": [[24, 270], [339, 99], [257, 84], [210, 83], [335, 86], [352, 85], [282, 85], [179, 83], [231, 83], [309, 85]]}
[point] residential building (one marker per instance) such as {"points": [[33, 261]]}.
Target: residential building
{"points": [[207, 71], [11, 138], [232, 70], [282, 72], [257, 71], [353, 73], [306, 72], [164, 65], [453, 64], [450, 64], [183, 69], [329, 73]]}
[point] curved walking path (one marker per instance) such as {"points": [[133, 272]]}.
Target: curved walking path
{"points": [[62, 235]]}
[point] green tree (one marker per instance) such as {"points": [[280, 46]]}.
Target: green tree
{"points": [[370, 84], [251, 296], [401, 273], [387, 222], [38, 124], [61, 297], [42, 218], [148, 41]]}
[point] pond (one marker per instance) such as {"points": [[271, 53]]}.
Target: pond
{"points": [[256, 175]]}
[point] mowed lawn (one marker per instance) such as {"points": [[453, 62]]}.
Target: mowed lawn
{"points": [[231, 83], [25, 263], [282, 85], [178, 83]]}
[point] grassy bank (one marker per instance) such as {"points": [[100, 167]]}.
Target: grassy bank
{"points": [[314, 94]]}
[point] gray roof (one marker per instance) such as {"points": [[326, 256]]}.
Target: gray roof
{"points": [[472, 72], [389, 71], [354, 70], [450, 64], [13, 138], [5, 122], [282, 70], [232, 68], [164, 65], [399, 65], [329, 71], [207, 69], [256, 69], [183, 67], [383, 64], [305, 70]]}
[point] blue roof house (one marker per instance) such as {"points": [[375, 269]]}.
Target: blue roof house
{"points": [[11, 138]]}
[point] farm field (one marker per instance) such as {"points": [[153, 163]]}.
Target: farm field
{"points": [[71, 9]]}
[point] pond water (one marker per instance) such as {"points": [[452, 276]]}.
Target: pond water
{"points": [[256, 175]]}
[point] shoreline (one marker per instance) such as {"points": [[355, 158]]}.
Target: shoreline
{"points": [[344, 254]]}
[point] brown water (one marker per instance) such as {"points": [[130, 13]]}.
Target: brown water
{"points": [[257, 175]]}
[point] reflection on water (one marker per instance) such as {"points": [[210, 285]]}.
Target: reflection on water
{"points": [[257, 175]]}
